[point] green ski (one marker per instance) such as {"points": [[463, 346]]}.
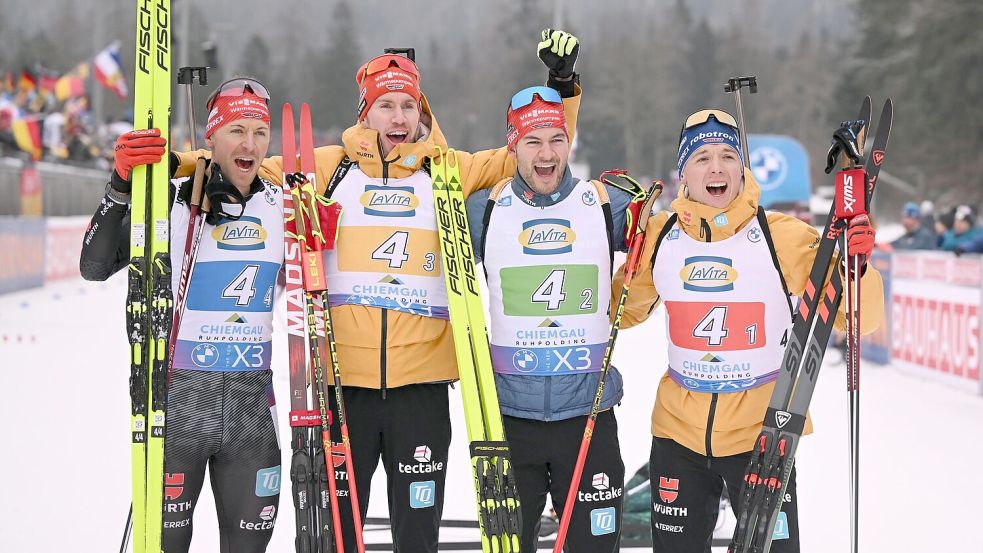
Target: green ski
{"points": [[149, 299], [498, 502]]}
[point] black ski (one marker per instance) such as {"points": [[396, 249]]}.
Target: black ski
{"points": [[773, 455]]}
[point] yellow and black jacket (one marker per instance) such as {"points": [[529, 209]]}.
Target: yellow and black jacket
{"points": [[722, 424]]}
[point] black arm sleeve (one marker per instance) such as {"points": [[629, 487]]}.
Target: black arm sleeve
{"points": [[565, 88], [106, 245]]}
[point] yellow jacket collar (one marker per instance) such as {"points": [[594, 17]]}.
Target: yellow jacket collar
{"points": [[362, 146], [696, 218]]}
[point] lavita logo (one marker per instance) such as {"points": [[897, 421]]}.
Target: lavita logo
{"points": [[245, 233], [708, 273], [389, 201], [547, 237]]}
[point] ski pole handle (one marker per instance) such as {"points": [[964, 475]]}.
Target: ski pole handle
{"points": [[186, 76], [734, 84]]}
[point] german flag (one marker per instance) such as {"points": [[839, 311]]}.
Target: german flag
{"points": [[27, 81], [27, 133]]}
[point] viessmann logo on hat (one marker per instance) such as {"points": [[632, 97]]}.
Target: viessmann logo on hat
{"points": [[707, 273], [547, 237], [389, 201]]}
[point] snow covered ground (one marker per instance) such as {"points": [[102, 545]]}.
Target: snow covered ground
{"points": [[64, 420]]}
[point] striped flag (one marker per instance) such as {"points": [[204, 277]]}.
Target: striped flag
{"points": [[109, 70], [27, 134], [72, 84]]}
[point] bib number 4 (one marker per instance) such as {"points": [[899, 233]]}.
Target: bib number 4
{"points": [[393, 250], [717, 326]]}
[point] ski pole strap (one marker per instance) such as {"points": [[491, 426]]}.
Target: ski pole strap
{"points": [[851, 187], [339, 174], [620, 179]]}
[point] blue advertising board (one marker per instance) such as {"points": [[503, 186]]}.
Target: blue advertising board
{"points": [[781, 167], [21, 253]]}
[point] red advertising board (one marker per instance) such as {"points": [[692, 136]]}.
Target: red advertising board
{"points": [[935, 316]]}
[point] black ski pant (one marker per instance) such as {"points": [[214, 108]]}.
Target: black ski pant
{"points": [[225, 420], [686, 489], [543, 458], [410, 429]]}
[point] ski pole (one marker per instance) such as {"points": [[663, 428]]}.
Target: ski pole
{"points": [[313, 280], [734, 84], [186, 76], [636, 239], [851, 188], [323, 243], [127, 530]]}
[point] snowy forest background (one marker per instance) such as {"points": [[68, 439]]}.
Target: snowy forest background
{"points": [[645, 64]]}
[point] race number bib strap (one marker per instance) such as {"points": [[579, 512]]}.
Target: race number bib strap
{"points": [[718, 376], [547, 361]]}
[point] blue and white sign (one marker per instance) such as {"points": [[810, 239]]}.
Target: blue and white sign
{"points": [[781, 166], [422, 494]]}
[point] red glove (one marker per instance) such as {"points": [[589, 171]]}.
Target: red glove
{"points": [[860, 236], [134, 148]]}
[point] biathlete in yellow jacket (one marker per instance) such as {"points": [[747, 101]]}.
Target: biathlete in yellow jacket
{"points": [[725, 270], [386, 289]]}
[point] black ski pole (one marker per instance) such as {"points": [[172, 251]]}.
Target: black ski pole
{"points": [[734, 84]]}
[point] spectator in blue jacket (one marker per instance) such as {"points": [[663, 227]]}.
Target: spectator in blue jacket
{"points": [[917, 236], [963, 229]]}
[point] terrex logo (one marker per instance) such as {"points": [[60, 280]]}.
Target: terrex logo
{"points": [[707, 273], [245, 234], [389, 201], [547, 237], [423, 455], [602, 483]]}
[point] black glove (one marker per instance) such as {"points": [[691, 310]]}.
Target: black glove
{"points": [[845, 141], [958, 250], [558, 50]]}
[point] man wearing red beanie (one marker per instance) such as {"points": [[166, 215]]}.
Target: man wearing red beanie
{"points": [[220, 411], [547, 240]]}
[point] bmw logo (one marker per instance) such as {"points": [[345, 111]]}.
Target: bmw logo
{"points": [[204, 355], [525, 360], [769, 167]]}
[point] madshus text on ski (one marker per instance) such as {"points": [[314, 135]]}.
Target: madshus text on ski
{"points": [[375, 244]]}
